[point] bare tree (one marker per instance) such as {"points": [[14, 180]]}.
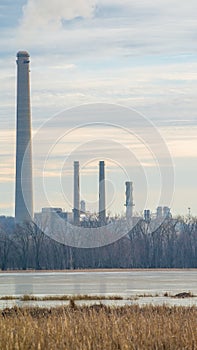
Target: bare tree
{"points": [[21, 244], [5, 247], [37, 237]]}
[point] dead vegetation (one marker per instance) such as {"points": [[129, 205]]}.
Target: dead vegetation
{"points": [[29, 297], [183, 295], [99, 327]]}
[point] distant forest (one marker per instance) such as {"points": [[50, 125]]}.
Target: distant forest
{"points": [[172, 245]]}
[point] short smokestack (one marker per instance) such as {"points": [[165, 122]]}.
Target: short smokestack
{"points": [[147, 215], [102, 211], [83, 206], [76, 210], [129, 199], [159, 212]]}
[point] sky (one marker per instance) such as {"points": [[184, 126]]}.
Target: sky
{"points": [[112, 80]]}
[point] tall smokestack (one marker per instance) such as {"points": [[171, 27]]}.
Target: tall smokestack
{"points": [[23, 185], [129, 199], [76, 210], [102, 211]]}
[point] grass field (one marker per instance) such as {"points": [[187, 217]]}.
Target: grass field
{"points": [[99, 327]]}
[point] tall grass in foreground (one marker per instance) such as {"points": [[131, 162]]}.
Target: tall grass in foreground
{"points": [[99, 327]]}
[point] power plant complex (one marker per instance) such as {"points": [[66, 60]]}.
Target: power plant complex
{"points": [[23, 185], [23, 182]]}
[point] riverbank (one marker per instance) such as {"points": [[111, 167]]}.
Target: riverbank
{"points": [[98, 270], [99, 327]]}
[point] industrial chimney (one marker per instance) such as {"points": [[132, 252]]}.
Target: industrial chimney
{"points": [[102, 211], [23, 184], [129, 199], [76, 210]]}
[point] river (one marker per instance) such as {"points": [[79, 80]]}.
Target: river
{"points": [[125, 283]]}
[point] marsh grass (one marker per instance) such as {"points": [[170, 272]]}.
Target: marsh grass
{"points": [[99, 327], [29, 297], [70, 297], [144, 295], [8, 297]]}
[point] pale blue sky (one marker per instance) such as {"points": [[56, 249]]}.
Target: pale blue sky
{"points": [[139, 54]]}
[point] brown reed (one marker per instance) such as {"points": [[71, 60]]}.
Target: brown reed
{"points": [[99, 327]]}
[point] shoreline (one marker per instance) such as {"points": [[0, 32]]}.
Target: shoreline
{"points": [[98, 270]]}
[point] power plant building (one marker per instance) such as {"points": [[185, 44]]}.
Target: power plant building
{"points": [[23, 180]]}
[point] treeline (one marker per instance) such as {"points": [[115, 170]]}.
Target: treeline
{"points": [[172, 245]]}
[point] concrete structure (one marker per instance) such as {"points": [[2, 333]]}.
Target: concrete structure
{"points": [[53, 220], [51, 212], [83, 206], [166, 212], [129, 199], [23, 186], [159, 212], [102, 210], [147, 215], [76, 209]]}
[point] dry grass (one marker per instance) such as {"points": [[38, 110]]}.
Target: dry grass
{"points": [[8, 297], [69, 297], [30, 297], [99, 327]]}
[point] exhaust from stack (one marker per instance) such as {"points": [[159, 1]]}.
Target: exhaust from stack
{"points": [[102, 210]]}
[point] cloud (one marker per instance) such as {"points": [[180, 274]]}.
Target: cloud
{"points": [[141, 54], [41, 13], [136, 29]]}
